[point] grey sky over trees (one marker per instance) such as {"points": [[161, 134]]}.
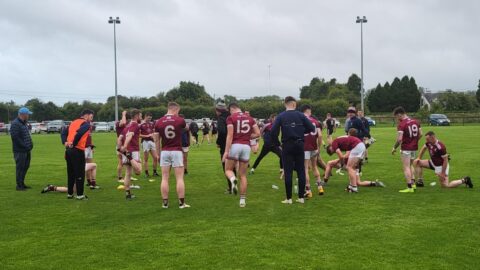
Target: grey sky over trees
{"points": [[63, 50]]}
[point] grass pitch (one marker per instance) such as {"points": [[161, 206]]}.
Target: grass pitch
{"points": [[378, 228]]}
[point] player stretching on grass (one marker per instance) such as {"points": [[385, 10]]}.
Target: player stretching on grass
{"points": [[354, 152], [168, 132], [241, 128], [409, 133], [438, 162], [311, 147], [119, 127], [128, 144], [90, 168], [268, 145], [148, 145]]}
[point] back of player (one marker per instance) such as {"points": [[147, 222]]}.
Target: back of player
{"points": [[169, 129]]}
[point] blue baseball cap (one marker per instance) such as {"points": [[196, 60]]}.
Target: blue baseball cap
{"points": [[24, 110]]}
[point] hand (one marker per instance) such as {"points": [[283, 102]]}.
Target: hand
{"points": [[393, 151], [442, 175], [68, 144], [225, 156]]}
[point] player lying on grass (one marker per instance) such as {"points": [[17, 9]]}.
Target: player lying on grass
{"points": [[342, 164], [241, 128], [168, 133], [438, 162], [354, 152], [311, 147], [128, 145], [90, 168]]}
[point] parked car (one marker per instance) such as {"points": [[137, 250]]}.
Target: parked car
{"points": [[371, 122], [36, 128], [438, 120], [111, 125], [101, 127], [3, 128], [55, 126]]}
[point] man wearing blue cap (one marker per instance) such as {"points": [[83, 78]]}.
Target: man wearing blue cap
{"points": [[22, 146]]}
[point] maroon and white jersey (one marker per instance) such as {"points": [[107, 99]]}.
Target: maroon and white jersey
{"points": [[345, 143], [411, 134], [437, 152], [147, 129], [119, 129], [311, 139], [134, 145], [170, 128], [242, 127]]}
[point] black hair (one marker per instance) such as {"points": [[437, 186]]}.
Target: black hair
{"points": [[86, 111]]}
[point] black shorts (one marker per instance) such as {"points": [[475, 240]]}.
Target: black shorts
{"points": [[329, 131], [205, 132]]}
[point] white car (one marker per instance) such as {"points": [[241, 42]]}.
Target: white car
{"points": [[37, 128], [102, 127]]}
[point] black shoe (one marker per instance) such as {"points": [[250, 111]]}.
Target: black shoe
{"points": [[47, 189], [21, 189], [155, 174], [468, 181], [70, 197], [82, 198], [87, 184], [26, 187], [130, 197], [420, 183]]}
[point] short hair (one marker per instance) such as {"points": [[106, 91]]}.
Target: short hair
{"points": [[273, 115], [330, 150], [86, 111], [233, 105], [430, 133], [172, 105], [134, 112], [398, 110], [148, 114], [289, 99], [352, 132], [305, 107]]}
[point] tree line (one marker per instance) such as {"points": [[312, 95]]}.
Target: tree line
{"points": [[323, 95]]}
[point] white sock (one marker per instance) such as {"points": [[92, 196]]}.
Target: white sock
{"points": [[233, 178]]}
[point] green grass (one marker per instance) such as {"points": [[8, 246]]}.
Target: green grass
{"points": [[378, 228]]}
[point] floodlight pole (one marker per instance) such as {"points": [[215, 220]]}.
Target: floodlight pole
{"points": [[115, 22], [361, 21]]}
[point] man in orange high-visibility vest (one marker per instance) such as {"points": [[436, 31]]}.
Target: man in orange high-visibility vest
{"points": [[75, 138]]}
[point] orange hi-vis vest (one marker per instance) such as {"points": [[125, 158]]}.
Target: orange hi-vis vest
{"points": [[72, 132]]}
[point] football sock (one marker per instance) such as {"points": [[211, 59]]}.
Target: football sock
{"points": [[120, 178], [93, 182], [181, 201], [127, 192], [146, 172], [233, 178], [373, 184], [154, 170], [409, 185], [165, 202], [52, 188]]}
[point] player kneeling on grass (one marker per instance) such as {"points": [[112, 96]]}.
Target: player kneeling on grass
{"points": [[354, 153], [241, 128], [438, 162], [90, 169], [128, 144], [168, 131]]}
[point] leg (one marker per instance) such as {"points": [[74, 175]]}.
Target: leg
{"points": [[136, 166], [128, 178], [19, 163], [79, 171], [288, 165], [262, 154], [352, 165], [155, 160], [407, 170], [299, 164], [278, 152], [91, 169], [145, 162], [242, 171], [70, 172], [26, 166], [320, 162], [229, 184], [306, 163], [119, 165], [164, 186]]}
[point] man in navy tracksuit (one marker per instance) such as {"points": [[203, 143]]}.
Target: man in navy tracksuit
{"points": [[22, 146], [357, 124], [294, 125]]}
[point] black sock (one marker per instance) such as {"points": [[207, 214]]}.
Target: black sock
{"points": [[120, 178], [127, 192], [409, 185], [372, 184], [146, 171], [181, 201], [165, 201], [154, 171]]}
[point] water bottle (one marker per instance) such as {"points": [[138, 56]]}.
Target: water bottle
{"points": [[274, 186]]}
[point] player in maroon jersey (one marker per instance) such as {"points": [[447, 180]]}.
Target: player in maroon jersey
{"points": [[311, 147], [438, 162], [168, 132], [119, 127], [241, 128], [148, 145], [128, 143], [409, 133], [354, 151]]}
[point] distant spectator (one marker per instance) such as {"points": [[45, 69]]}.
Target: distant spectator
{"points": [[22, 146]]}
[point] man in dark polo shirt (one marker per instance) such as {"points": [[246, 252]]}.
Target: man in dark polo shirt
{"points": [[22, 146], [294, 125]]}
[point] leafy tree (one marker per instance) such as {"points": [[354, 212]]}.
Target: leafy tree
{"points": [[189, 93], [478, 92], [354, 84]]}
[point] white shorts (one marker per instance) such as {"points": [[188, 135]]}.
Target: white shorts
{"points": [[239, 152], [148, 146], [135, 156], [171, 158], [409, 154], [438, 169], [88, 153], [185, 149], [310, 154], [253, 142], [358, 151]]}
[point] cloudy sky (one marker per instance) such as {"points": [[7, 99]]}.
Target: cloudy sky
{"points": [[63, 50]]}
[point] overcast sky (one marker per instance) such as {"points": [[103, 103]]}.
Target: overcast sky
{"points": [[63, 50]]}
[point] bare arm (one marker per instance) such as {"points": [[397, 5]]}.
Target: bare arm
{"points": [[319, 138], [127, 140], [398, 142], [422, 151], [256, 132], [228, 144]]}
